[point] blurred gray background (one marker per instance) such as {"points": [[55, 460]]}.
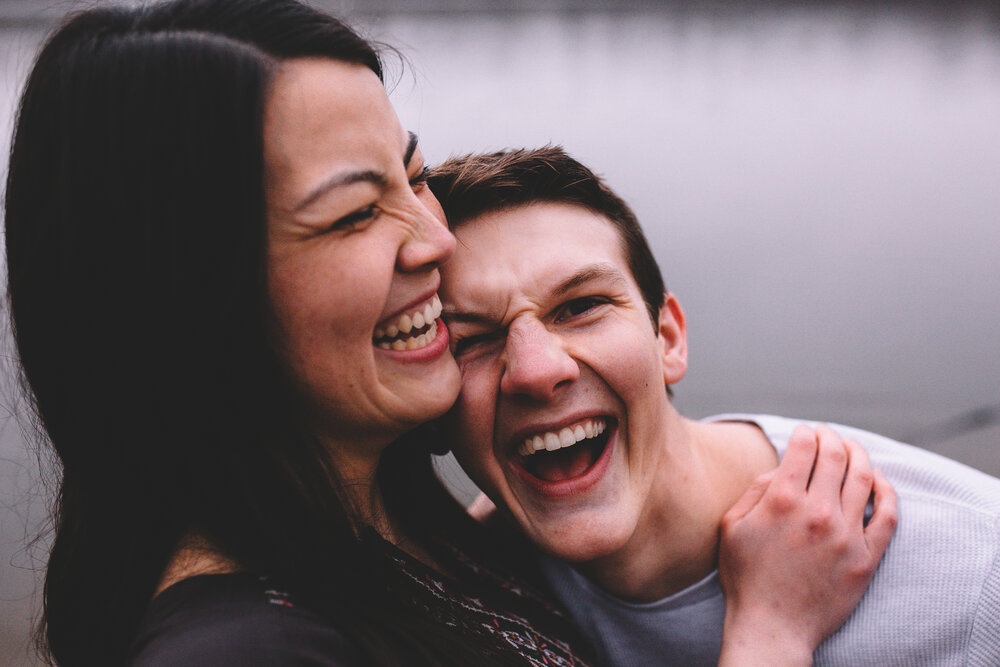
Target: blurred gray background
{"points": [[820, 182]]}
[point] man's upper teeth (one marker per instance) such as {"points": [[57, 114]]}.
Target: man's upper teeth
{"points": [[564, 437], [407, 322]]}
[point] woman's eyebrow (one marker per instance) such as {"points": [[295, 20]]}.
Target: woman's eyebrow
{"points": [[365, 176], [410, 148], [338, 181]]}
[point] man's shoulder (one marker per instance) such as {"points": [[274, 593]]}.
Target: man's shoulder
{"points": [[936, 596], [918, 475], [236, 619]]}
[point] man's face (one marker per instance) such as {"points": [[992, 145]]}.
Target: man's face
{"points": [[558, 354]]}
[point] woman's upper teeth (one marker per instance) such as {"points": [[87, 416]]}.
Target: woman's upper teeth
{"points": [[564, 437], [407, 322], [410, 342]]}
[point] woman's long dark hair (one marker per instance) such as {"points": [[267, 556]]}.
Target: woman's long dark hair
{"points": [[136, 252]]}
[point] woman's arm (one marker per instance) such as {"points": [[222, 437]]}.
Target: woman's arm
{"points": [[796, 554]]}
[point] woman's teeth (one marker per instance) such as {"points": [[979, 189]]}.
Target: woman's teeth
{"points": [[411, 342], [565, 437], [410, 325]]}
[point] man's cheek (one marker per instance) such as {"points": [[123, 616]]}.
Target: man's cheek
{"points": [[473, 408], [477, 465], [472, 434]]}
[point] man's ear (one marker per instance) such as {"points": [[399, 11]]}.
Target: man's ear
{"points": [[672, 336]]}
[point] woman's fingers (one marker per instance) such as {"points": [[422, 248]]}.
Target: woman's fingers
{"points": [[795, 556], [883, 522], [831, 464], [858, 483], [750, 497], [797, 463]]}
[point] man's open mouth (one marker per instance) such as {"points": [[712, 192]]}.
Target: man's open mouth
{"points": [[556, 456]]}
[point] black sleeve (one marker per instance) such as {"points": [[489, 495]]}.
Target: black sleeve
{"points": [[218, 620]]}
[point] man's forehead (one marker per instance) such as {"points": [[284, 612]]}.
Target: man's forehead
{"points": [[557, 280], [542, 228], [538, 249]]}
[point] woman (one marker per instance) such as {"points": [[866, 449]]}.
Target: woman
{"points": [[220, 249]]}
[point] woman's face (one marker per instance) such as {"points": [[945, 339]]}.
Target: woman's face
{"points": [[354, 242]]}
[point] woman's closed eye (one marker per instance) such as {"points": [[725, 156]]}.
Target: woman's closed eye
{"points": [[356, 219], [420, 180]]}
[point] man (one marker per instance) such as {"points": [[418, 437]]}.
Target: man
{"points": [[568, 341]]}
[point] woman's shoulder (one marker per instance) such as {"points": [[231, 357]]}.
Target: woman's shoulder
{"points": [[236, 619]]}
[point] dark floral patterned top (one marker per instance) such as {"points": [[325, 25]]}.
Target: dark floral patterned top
{"points": [[243, 619], [503, 612]]}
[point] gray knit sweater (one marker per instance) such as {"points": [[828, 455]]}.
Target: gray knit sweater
{"points": [[935, 599]]}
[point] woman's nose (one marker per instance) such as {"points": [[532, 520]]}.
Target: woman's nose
{"points": [[431, 243]]}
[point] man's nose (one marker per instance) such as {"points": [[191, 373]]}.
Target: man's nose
{"points": [[535, 362]]}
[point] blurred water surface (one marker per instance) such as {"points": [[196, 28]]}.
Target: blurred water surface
{"points": [[820, 186]]}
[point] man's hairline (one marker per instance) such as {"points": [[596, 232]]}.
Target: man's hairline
{"points": [[507, 207]]}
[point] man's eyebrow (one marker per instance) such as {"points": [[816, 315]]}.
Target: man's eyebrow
{"points": [[590, 273], [365, 176], [465, 316]]}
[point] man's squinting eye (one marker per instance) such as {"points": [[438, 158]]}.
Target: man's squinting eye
{"points": [[579, 306], [465, 344]]}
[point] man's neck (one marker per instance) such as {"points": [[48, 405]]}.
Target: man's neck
{"points": [[676, 544]]}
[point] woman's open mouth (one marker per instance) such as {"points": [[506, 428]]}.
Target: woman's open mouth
{"points": [[410, 331], [566, 454]]}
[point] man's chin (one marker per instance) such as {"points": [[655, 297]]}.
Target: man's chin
{"points": [[578, 546]]}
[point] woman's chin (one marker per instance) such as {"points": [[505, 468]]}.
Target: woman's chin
{"points": [[424, 386], [420, 397], [435, 396]]}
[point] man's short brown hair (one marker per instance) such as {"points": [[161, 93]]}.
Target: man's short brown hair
{"points": [[472, 185]]}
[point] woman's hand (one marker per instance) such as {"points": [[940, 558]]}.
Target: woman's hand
{"points": [[796, 555]]}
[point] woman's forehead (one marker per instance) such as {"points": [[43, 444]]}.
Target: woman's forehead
{"points": [[325, 120]]}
